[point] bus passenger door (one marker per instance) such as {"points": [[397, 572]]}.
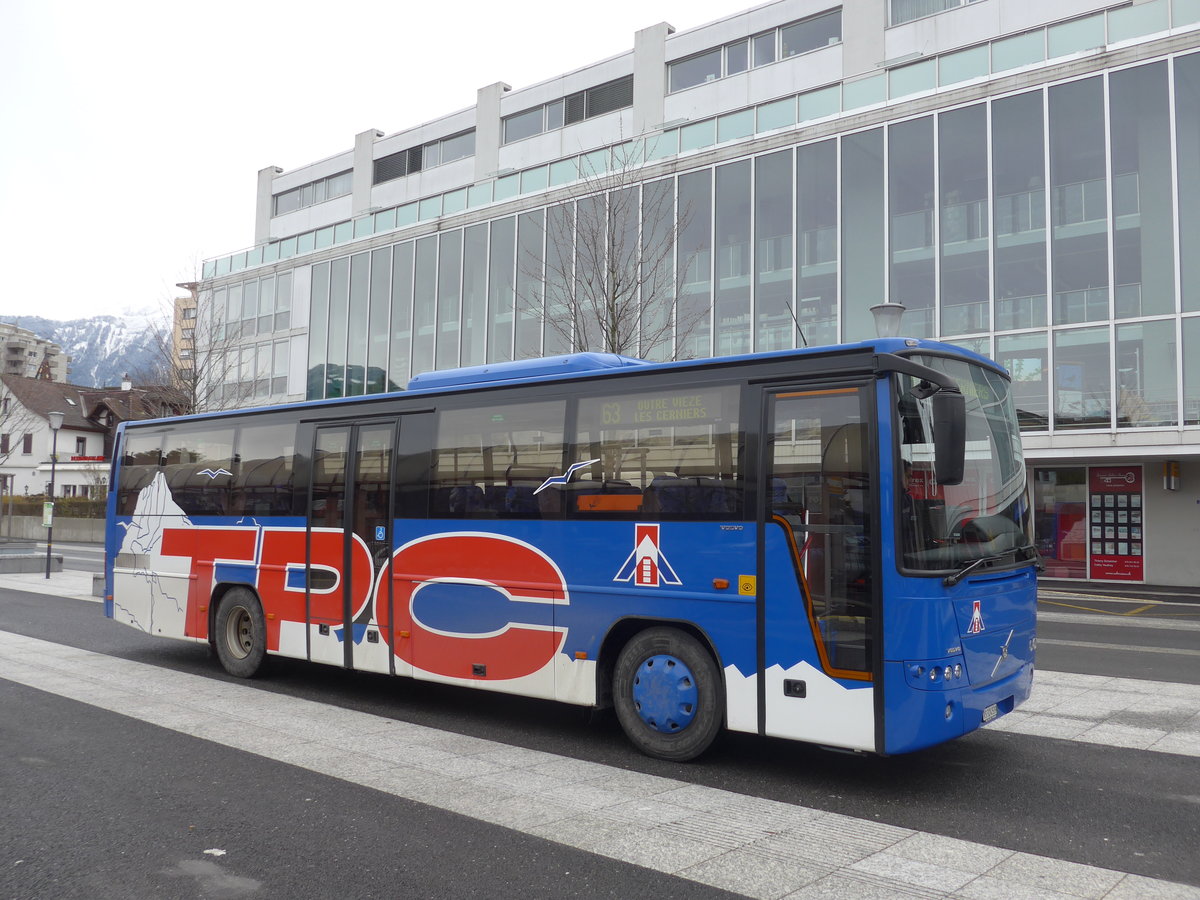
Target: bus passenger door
{"points": [[350, 542], [816, 583]]}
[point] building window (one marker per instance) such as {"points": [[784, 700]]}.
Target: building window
{"points": [[314, 192], [3, 444], [27, 445], [81, 446], [426, 156], [779, 43], [596, 101], [906, 10]]}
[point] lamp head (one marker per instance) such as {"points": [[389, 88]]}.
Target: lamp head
{"points": [[887, 318], [56, 420]]}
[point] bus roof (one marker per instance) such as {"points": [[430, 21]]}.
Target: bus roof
{"points": [[583, 365]]}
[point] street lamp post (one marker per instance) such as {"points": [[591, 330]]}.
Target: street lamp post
{"points": [[56, 420]]}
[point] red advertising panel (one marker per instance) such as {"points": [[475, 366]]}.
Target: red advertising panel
{"points": [[1115, 506]]}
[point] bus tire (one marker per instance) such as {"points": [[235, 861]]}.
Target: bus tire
{"points": [[240, 633], [667, 692]]}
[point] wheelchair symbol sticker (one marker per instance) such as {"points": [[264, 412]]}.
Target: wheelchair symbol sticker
{"points": [[381, 532]]}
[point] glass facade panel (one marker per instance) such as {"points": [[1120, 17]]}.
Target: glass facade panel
{"points": [[1079, 204], [377, 331], [454, 201], [818, 104], [356, 325], [1147, 393], [501, 288], [697, 135], [964, 218], [737, 57], [1142, 214], [479, 194], [318, 325], [424, 305], [535, 179], [864, 91], [1022, 50], [811, 34], [474, 302], [910, 203], [449, 299], [696, 70], [773, 243], [561, 296], [589, 303], [658, 236], [863, 260], [1135, 21], [763, 48], [1191, 371], [339, 298], [506, 187], [735, 125], [732, 313], [1024, 355], [912, 79], [694, 264], [963, 65], [1019, 216], [402, 310], [816, 242], [523, 124], [1082, 386], [779, 114], [530, 234], [565, 171], [1187, 137], [1076, 36]]}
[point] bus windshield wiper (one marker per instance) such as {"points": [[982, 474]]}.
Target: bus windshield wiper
{"points": [[968, 567]]}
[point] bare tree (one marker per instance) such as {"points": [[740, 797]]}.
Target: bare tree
{"points": [[197, 366], [599, 270]]}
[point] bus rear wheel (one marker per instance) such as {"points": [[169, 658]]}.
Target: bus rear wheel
{"points": [[667, 693], [240, 633]]}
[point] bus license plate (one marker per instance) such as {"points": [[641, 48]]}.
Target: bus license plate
{"points": [[989, 712]]}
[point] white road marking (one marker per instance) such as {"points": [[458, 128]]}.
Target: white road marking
{"points": [[751, 845]]}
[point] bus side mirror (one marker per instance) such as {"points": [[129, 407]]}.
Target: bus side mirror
{"points": [[949, 436]]}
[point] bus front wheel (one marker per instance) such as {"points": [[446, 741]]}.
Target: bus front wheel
{"points": [[240, 633], [667, 693]]}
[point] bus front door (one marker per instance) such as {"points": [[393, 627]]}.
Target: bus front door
{"points": [[819, 593], [349, 538]]}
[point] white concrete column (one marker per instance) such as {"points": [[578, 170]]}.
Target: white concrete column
{"points": [[264, 206], [649, 76], [863, 46], [488, 132], [364, 169]]}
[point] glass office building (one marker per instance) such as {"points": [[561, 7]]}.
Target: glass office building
{"points": [[1024, 179]]}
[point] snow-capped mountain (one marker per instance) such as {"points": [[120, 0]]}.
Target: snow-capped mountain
{"points": [[102, 348]]}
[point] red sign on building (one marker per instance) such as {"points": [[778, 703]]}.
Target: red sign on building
{"points": [[1115, 514]]}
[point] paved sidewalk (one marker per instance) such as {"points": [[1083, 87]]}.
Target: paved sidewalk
{"points": [[67, 583]]}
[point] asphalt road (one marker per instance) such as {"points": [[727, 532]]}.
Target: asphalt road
{"points": [[98, 804]]}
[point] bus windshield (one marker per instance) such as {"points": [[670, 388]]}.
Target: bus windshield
{"points": [[985, 519]]}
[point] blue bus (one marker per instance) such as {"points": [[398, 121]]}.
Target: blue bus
{"points": [[831, 545]]}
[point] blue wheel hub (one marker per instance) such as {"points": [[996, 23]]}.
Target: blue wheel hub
{"points": [[665, 694]]}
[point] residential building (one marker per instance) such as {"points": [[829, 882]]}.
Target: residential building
{"points": [[183, 336], [85, 441], [26, 355], [1023, 178]]}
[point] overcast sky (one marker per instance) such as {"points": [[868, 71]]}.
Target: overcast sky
{"points": [[131, 133]]}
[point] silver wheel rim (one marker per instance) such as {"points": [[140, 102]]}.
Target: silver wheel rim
{"points": [[238, 638]]}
